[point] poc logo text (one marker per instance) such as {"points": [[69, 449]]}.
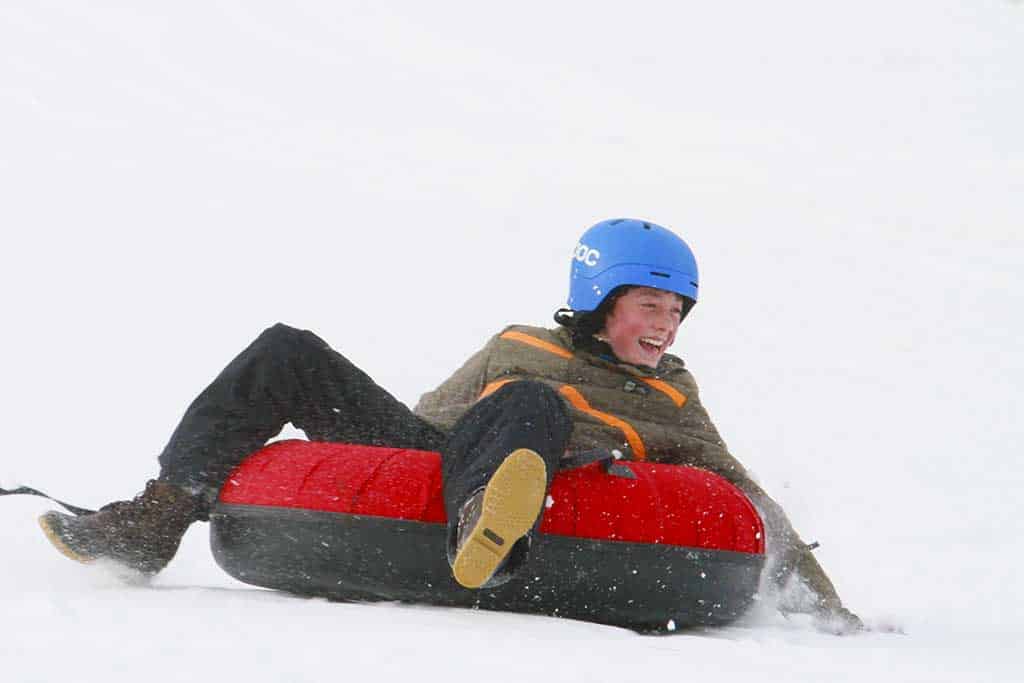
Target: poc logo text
{"points": [[586, 255]]}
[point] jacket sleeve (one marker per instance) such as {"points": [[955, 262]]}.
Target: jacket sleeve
{"points": [[443, 406]]}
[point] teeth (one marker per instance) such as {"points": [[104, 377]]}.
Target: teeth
{"points": [[652, 342]]}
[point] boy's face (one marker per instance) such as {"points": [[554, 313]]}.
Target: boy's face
{"points": [[642, 325]]}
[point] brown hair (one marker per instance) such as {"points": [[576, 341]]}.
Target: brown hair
{"points": [[585, 324]]}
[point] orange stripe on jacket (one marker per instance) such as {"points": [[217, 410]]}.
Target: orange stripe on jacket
{"points": [[664, 387], [537, 343], [492, 387], [635, 442]]}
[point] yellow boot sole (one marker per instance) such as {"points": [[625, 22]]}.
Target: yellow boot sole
{"points": [[45, 523], [513, 500]]}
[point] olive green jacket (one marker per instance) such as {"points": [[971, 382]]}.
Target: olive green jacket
{"points": [[653, 415], [668, 426]]}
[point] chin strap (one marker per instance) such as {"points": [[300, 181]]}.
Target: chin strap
{"points": [[25, 490]]}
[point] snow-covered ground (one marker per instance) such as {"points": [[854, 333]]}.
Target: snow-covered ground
{"points": [[406, 178]]}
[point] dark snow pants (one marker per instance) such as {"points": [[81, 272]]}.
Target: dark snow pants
{"points": [[289, 375]]}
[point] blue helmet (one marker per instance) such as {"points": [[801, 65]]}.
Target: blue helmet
{"points": [[625, 251]]}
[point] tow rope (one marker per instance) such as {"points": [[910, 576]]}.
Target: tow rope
{"points": [[74, 509]]}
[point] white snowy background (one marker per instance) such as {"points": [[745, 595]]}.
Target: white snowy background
{"points": [[406, 178]]}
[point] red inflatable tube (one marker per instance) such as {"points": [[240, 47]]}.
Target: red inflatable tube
{"points": [[665, 547]]}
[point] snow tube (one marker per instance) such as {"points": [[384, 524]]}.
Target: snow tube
{"points": [[645, 546]]}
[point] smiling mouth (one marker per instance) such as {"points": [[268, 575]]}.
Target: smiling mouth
{"points": [[651, 345]]}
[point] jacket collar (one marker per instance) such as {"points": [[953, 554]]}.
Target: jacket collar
{"points": [[601, 354]]}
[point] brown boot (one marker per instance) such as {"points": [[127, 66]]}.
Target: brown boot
{"points": [[493, 519], [142, 534]]}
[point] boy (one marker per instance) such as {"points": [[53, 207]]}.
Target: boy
{"points": [[503, 422]]}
